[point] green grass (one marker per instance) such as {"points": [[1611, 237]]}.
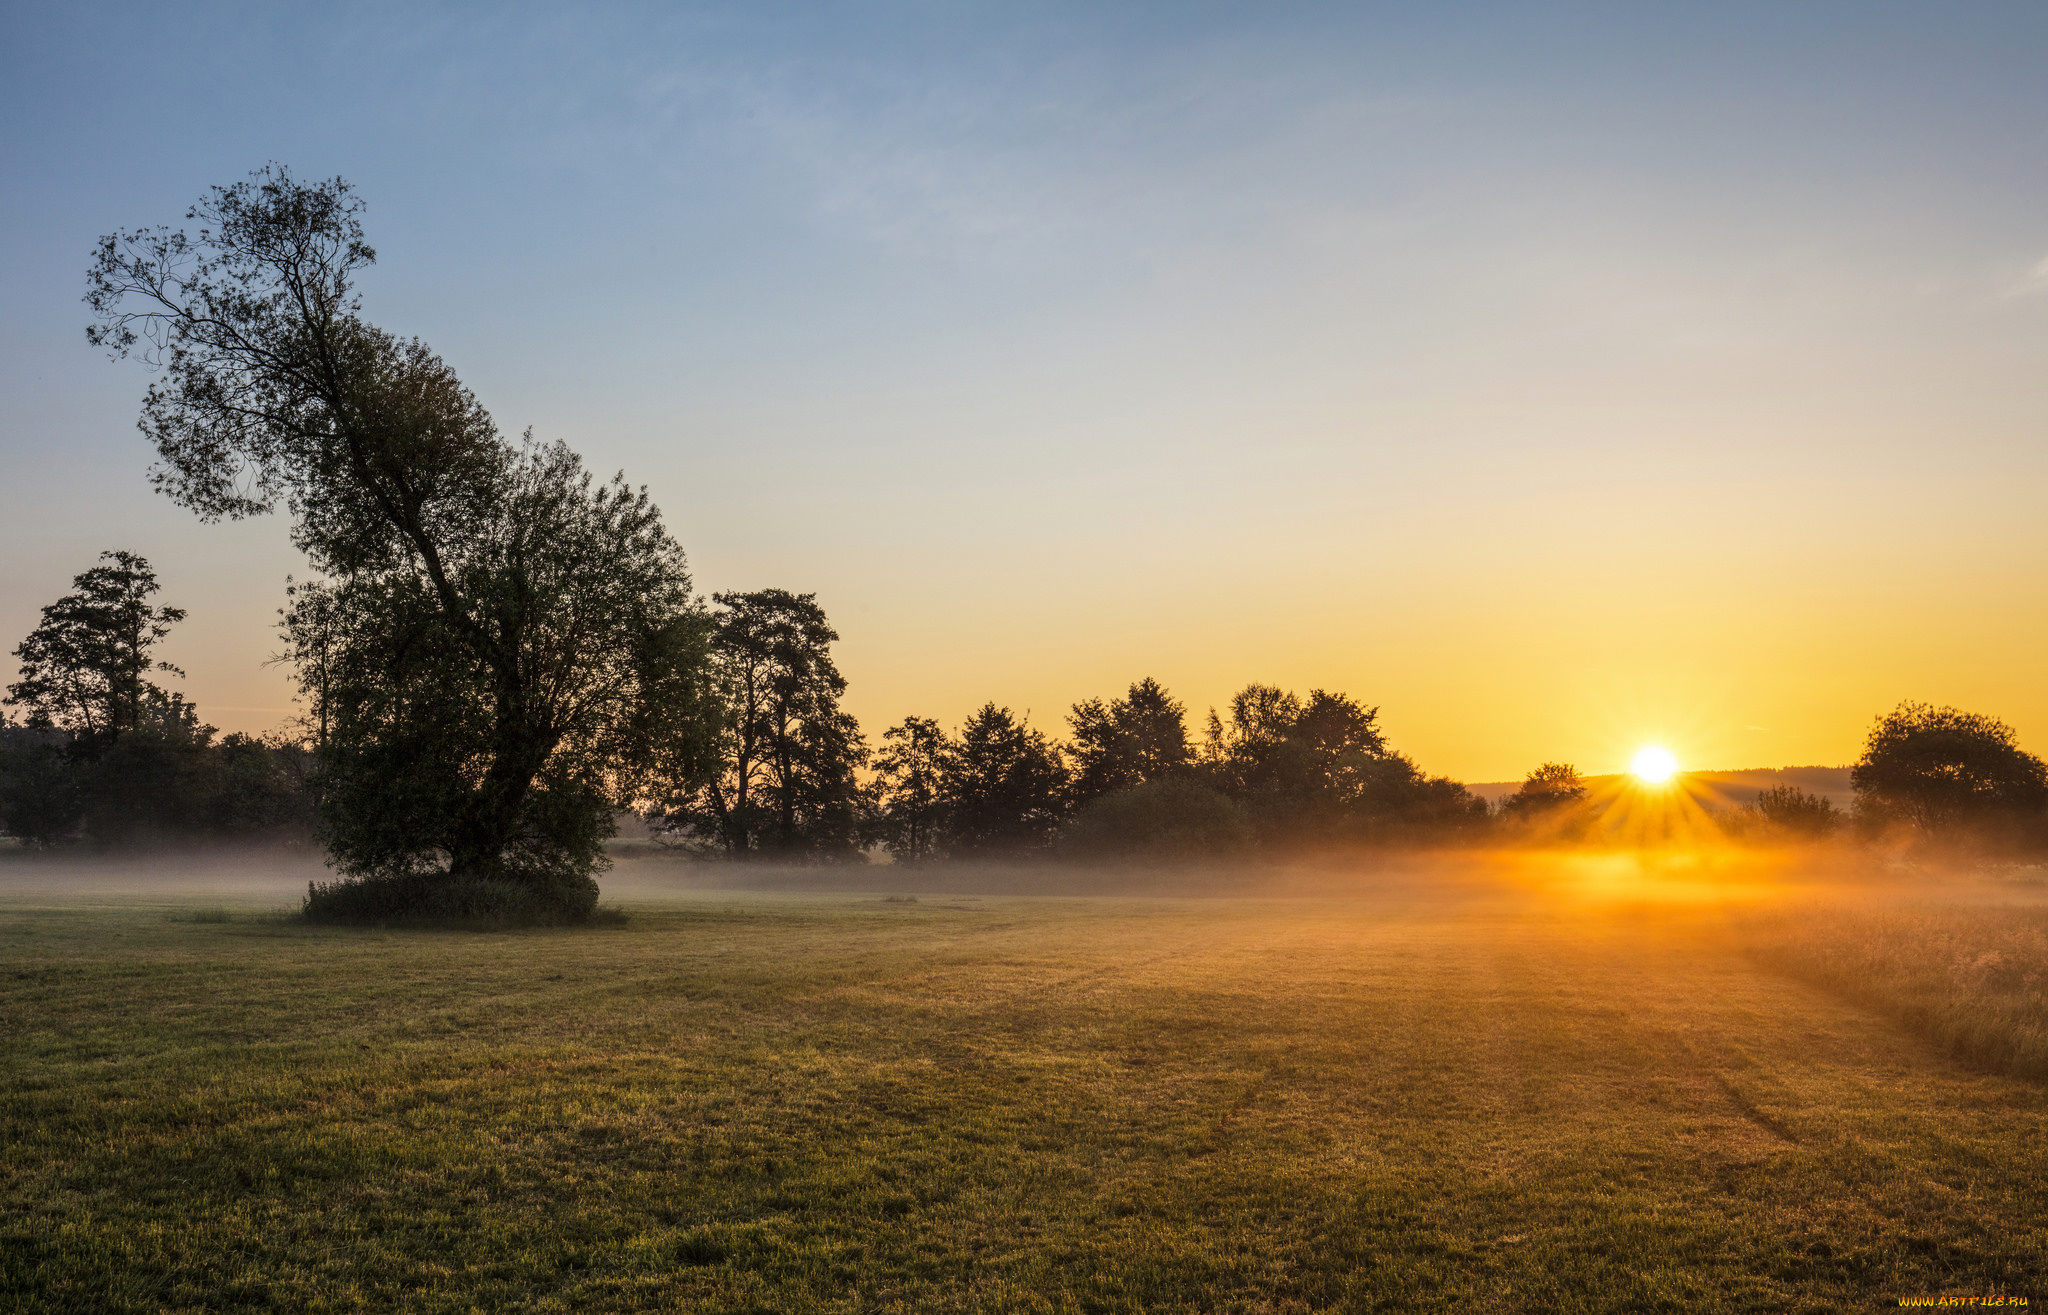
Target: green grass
{"points": [[748, 1103]]}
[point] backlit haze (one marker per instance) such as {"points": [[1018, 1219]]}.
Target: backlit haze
{"points": [[1563, 380]]}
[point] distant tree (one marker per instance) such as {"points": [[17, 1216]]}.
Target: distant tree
{"points": [[911, 772], [1789, 810], [86, 667], [1128, 741], [1549, 789], [1320, 770], [1339, 737], [257, 787], [1943, 772], [1006, 787], [506, 648], [787, 758]]}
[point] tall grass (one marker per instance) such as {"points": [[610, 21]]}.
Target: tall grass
{"points": [[1973, 980]]}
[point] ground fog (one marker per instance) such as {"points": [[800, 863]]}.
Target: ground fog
{"points": [[1572, 1082]]}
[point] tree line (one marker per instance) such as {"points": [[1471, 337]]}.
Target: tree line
{"points": [[756, 758], [1128, 778], [767, 764], [500, 654]]}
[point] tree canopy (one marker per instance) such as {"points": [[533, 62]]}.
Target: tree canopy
{"points": [[1128, 741], [912, 774], [1319, 769], [1007, 792], [1547, 789], [1942, 771], [86, 667], [108, 755]]}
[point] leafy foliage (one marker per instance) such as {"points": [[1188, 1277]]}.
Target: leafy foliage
{"points": [[1320, 770], [40, 795], [1176, 819], [108, 755], [1790, 811], [85, 668], [436, 755], [1550, 789]]}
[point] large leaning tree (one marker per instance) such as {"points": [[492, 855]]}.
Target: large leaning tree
{"points": [[502, 651]]}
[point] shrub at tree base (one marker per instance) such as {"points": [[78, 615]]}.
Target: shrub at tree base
{"points": [[1159, 821], [556, 899]]}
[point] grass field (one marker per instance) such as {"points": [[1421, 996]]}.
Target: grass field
{"points": [[749, 1102]]}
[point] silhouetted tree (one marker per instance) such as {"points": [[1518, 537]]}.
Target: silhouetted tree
{"points": [[1552, 787], [509, 646], [1006, 787], [785, 781], [910, 778], [437, 761], [1128, 741], [85, 668], [1944, 772], [258, 788], [105, 751]]}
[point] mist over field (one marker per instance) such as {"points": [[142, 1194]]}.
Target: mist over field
{"points": [[1502, 1080]]}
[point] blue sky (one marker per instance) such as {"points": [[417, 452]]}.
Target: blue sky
{"points": [[1553, 376]]}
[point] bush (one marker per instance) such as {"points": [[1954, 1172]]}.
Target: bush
{"points": [[1789, 811], [1159, 820], [437, 897]]}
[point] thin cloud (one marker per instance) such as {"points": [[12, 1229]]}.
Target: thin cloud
{"points": [[2033, 281]]}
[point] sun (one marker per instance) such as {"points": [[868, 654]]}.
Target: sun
{"points": [[1653, 765]]}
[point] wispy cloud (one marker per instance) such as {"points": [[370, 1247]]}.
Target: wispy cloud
{"points": [[2033, 282]]}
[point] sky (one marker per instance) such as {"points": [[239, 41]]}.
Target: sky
{"points": [[1557, 378]]}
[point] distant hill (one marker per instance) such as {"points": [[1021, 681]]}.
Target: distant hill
{"points": [[1733, 787]]}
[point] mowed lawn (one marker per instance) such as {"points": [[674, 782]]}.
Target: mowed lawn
{"points": [[792, 1103]]}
